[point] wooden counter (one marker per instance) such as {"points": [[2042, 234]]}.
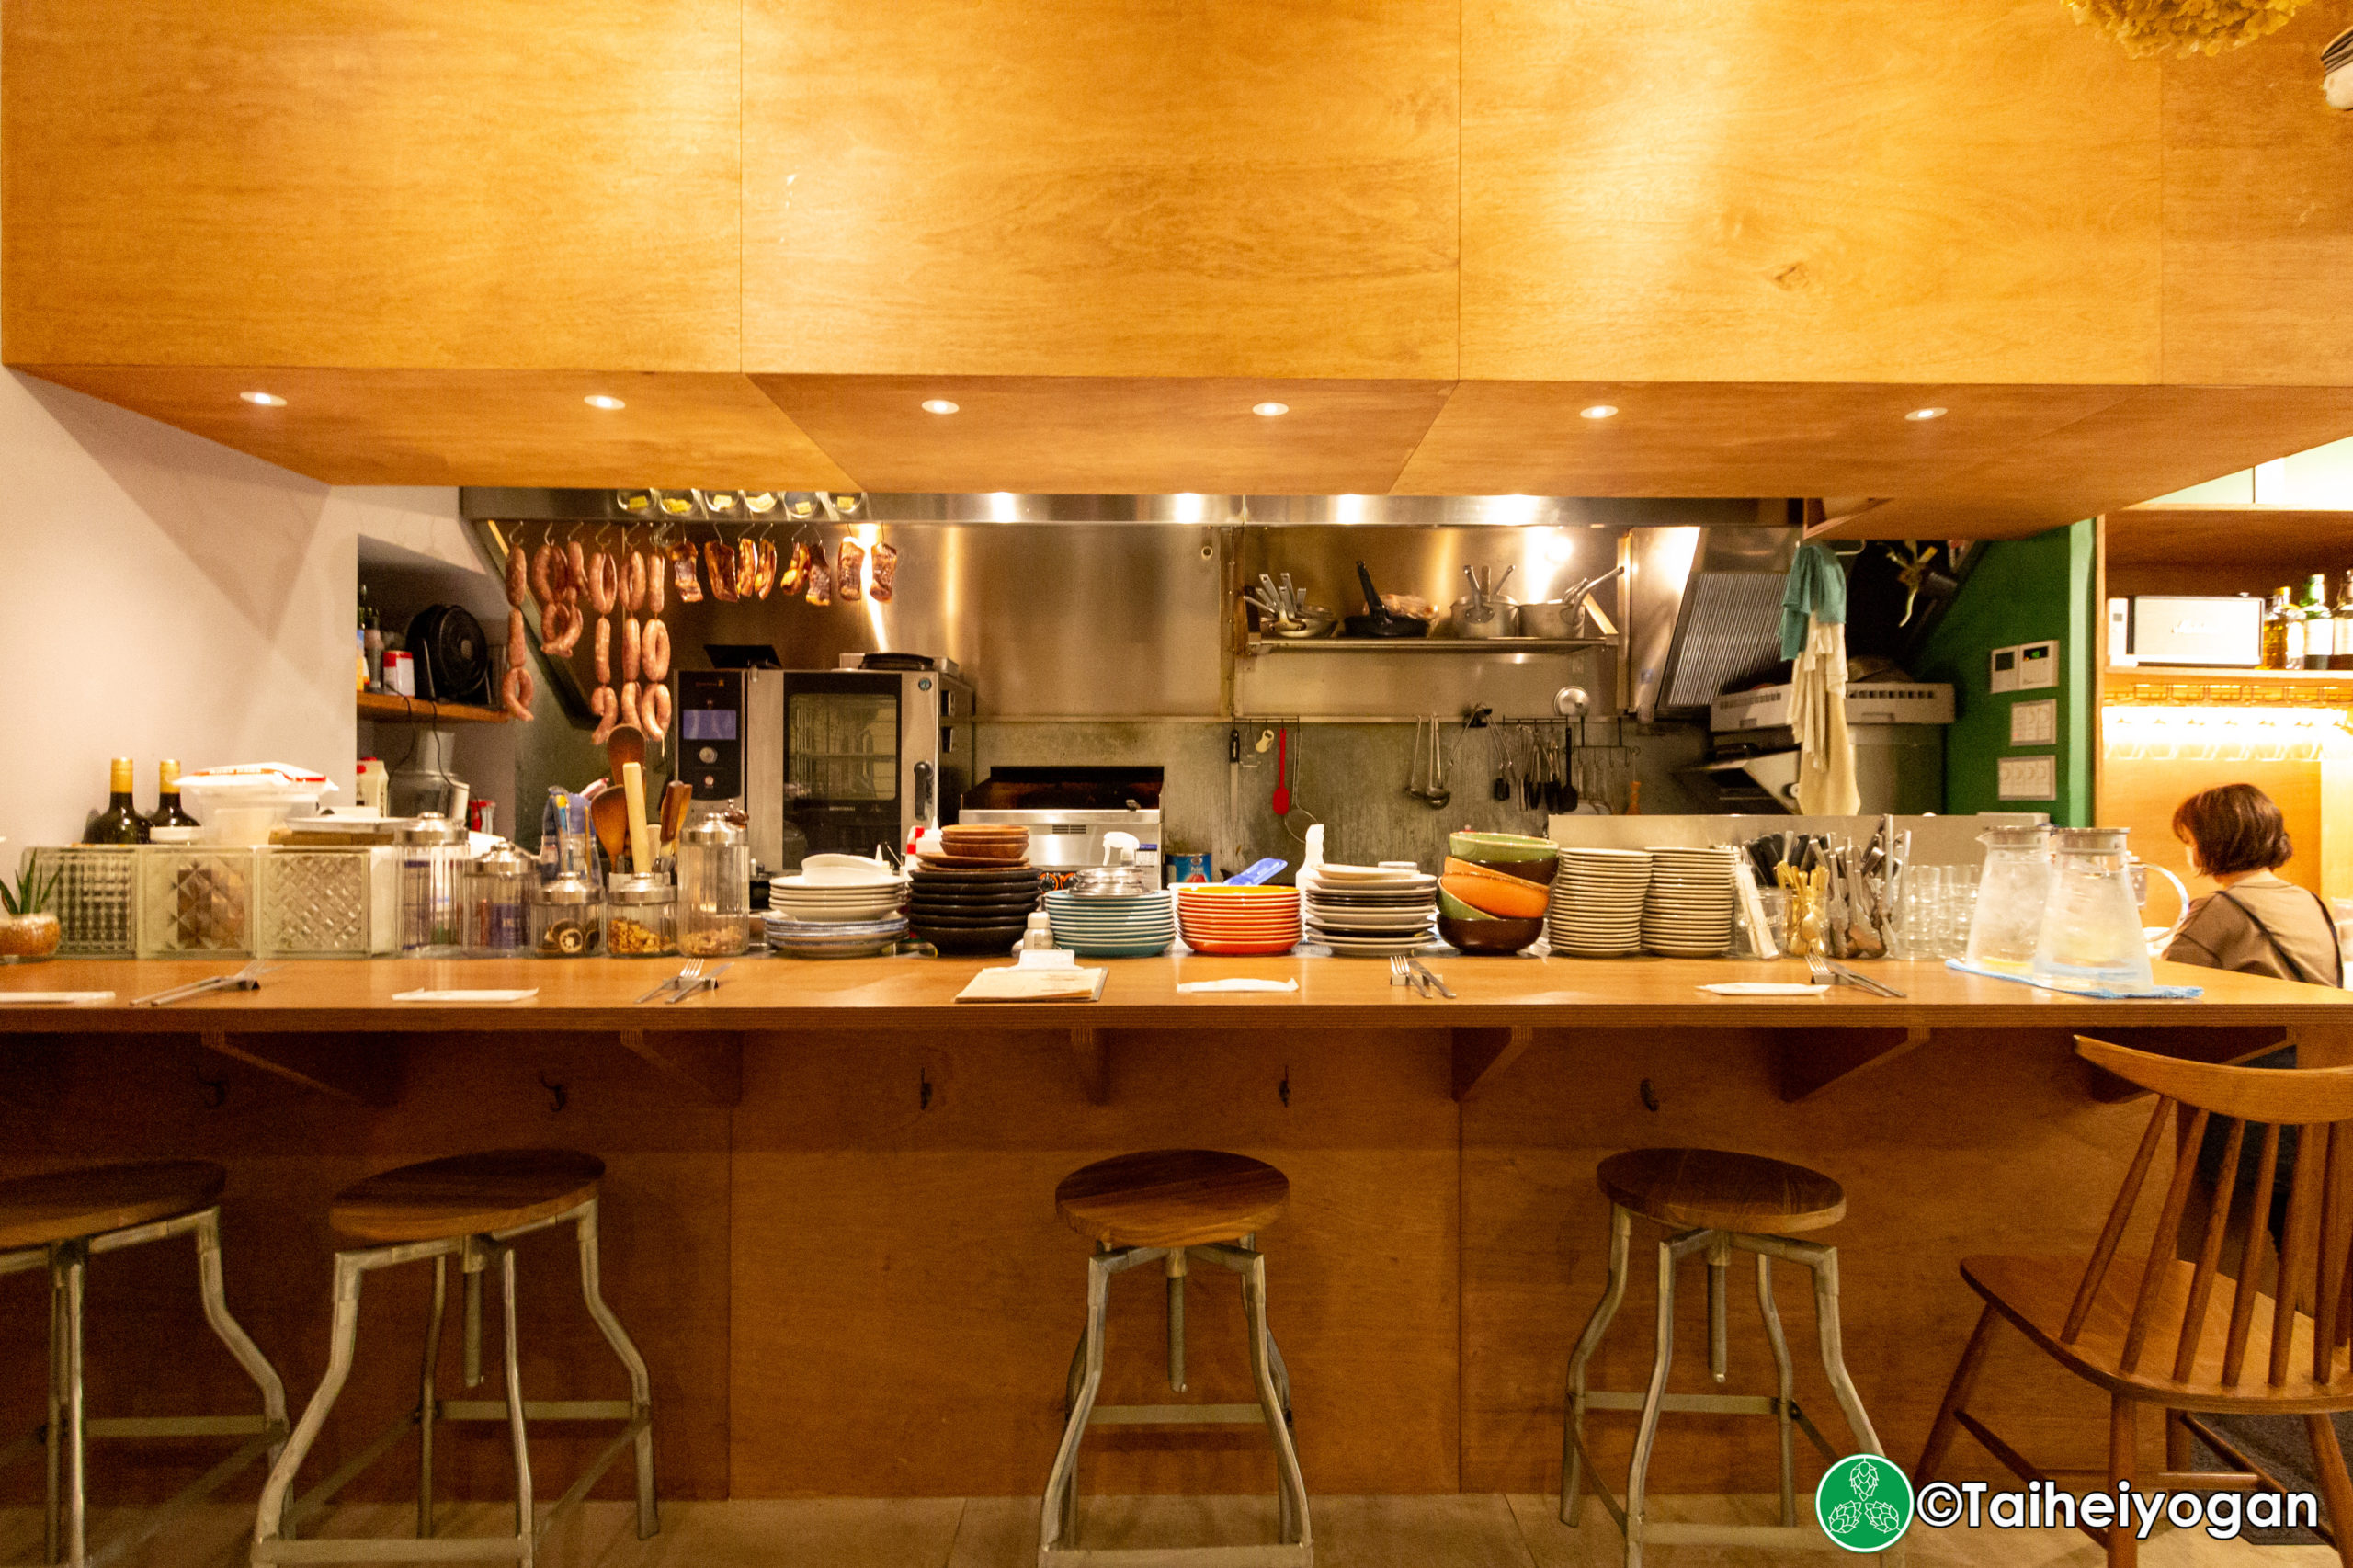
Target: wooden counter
{"points": [[830, 1219]]}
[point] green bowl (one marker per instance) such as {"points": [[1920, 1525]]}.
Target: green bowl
{"points": [[1486, 847], [1454, 908]]}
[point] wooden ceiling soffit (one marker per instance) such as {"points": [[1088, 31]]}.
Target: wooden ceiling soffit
{"points": [[1113, 435], [511, 427]]}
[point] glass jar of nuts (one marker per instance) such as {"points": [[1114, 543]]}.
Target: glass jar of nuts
{"points": [[640, 916]]}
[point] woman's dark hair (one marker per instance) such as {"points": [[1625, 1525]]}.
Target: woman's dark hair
{"points": [[2235, 828]]}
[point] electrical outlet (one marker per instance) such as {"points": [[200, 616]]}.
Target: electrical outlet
{"points": [[2027, 778], [2035, 723]]}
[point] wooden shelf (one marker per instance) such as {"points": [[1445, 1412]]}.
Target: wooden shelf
{"points": [[2168, 675], [384, 709]]}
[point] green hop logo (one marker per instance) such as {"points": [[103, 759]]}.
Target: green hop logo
{"points": [[1864, 1503]]}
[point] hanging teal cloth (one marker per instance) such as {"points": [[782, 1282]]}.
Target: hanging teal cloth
{"points": [[1817, 588]]}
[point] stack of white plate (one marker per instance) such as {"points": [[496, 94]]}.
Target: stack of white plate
{"points": [[1687, 912], [829, 902], [1598, 902], [1369, 912]]}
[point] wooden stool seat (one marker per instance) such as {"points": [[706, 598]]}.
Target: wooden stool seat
{"points": [[1172, 1197], [1713, 1189], [466, 1195], [63, 1205]]}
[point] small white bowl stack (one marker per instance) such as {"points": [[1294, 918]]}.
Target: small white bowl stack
{"points": [[1369, 912], [1687, 912], [1596, 909]]}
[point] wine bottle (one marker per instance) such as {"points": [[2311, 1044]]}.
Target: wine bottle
{"points": [[2344, 619], [167, 812], [120, 822], [2320, 626], [2275, 632]]}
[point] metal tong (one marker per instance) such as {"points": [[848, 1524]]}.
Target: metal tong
{"points": [[686, 982], [246, 979]]}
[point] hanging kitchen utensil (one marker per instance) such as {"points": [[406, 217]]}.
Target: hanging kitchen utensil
{"points": [[1569, 770], [1437, 794], [1282, 769]]}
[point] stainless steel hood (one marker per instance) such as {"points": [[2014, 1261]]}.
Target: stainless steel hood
{"points": [[1706, 612]]}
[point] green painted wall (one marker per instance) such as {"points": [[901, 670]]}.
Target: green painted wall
{"points": [[2022, 591]]}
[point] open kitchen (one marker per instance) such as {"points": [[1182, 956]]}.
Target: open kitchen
{"points": [[1624, 739]]}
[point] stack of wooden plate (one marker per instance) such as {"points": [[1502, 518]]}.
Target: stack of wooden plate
{"points": [[1687, 913], [1218, 918], [1369, 912], [967, 909], [1598, 902], [978, 846]]}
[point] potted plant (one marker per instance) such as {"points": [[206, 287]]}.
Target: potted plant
{"points": [[28, 928]]}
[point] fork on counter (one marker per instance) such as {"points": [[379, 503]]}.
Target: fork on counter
{"points": [[694, 978], [246, 979], [1828, 973], [691, 975], [1401, 973]]}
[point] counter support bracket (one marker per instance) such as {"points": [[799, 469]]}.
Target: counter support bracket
{"points": [[1090, 1054], [1813, 1060], [363, 1070], [1481, 1053], [708, 1062]]}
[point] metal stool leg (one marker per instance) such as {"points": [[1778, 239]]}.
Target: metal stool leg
{"points": [[1638, 1476], [1058, 1521], [1621, 1229], [213, 1286], [1288, 1480], [428, 1397], [1833, 1360], [1718, 1329], [515, 1423], [270, 1518], [1786, 1392], [73, 1261], [640, 1382], [52, 1434]]}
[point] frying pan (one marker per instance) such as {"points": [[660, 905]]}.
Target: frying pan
{"points": [[1378, 620]]}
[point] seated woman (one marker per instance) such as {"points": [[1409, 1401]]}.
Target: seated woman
{"points": [[2258, 923]]}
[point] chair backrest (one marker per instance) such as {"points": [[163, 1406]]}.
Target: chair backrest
{"points": [[2316, 1239]]}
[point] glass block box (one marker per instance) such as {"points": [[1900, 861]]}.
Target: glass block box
{"points": [[312, 903], [196, 901], [96, 898]]}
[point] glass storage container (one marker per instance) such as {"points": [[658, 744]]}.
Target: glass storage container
{"points": [[312, 903], [195, 899], [640, 916], [94, 901], [567, 917], [714, 889], [433, 871], [498, 885]]}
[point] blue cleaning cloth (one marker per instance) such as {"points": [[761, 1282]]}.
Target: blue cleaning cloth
{"points": [[1816, 588], [2103, 992]]}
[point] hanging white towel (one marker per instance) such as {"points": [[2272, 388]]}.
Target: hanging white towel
{"points": [[1818, 714]]}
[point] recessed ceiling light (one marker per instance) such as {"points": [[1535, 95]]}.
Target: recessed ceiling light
{"points": [[598, 400], [1598, 411], [1920, 413], [1270, 410], [263, 399], [937, 406]]}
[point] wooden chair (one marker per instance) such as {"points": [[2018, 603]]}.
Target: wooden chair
{"points": [[473, 1207], [2179, 1333], [1174, 1207]]}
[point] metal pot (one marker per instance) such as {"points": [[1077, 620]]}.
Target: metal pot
{"points": [[1494, 617], [1555, 620], [1312, 621]]}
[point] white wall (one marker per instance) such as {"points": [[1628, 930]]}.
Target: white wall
{"points": [[162, 596]]}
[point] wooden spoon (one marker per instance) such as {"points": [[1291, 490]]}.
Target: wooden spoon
{"points": [[608, 814], [625, 746]]}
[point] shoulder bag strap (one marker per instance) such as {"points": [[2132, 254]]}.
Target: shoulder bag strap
{"points": [[2284, 956]]}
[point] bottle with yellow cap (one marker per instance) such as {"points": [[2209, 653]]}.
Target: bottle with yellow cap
{"points": [[120, 822], [168, 811]]}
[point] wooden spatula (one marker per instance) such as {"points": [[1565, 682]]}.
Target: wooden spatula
{"points": [[624, 745], [674, 796], [608, 815]]}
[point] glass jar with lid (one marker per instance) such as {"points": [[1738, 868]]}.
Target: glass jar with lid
{"points": [[567, 916], [433, 873], [499, 884], [714, 889], [640, 916]]}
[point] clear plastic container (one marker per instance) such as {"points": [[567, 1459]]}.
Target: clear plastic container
{"points": [[714, 889], [567, 917], [641, 918], [2016, 882], [433, 872], [498, 919]]}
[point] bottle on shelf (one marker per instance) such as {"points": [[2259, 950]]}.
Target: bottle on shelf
{"points": [[371, 645], [167, 812], [120, 822], [2275, 632], [2320, 626], [2344, 620]]}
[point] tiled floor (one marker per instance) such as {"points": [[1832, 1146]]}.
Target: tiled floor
{"points": [[1477, 1531]]}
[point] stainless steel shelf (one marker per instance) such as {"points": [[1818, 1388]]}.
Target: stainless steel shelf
{"points": [[1257, 645]]}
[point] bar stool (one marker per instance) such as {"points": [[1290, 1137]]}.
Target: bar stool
{"points": [[60, 1222], [472, 1208], [1713, 1202], [1170, 1207]]}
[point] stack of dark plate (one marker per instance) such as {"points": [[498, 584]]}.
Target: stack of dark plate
{"points": [[970, 909]]}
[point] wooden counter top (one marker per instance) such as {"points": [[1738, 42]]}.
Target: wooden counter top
{"points": [[765, 993]]}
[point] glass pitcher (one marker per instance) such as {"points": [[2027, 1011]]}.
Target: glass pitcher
{"points": [[2010, 895], [2091, 922]]}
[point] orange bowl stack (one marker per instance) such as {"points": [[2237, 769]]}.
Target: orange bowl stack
{"points": [[1215, 917]]}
